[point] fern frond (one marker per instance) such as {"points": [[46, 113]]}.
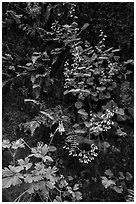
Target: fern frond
{"points": [[130, 196]]}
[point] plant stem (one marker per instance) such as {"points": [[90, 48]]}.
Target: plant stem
{"points": [[27, 144], [53, 136], [19, 197]]}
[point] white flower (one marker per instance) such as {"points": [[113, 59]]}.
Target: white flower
{"points": [[61, 127]]}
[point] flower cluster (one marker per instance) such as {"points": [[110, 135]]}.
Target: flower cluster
{"points": [[83, 155], [100, 122], [87, 156]]}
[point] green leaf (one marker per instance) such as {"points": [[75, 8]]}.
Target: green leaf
{"points": [[36, 90], [117, 189], [80, 131], [76, 187], [33, 187], [106, 182], [94, 94], [6, 182], [50, 173], [121, 176], [7, 172], [70, 178], [18, 144], [107, 95], [14, 180], [83, 112], [6, 143], [52, 149], [116, 58], [101, 96], [57, 199], [30, 190], [45, 192], [85, 91], [85, 26], [35, 58], [78, 195], [50, 185], [110, 88], [47, 114], [109, 173], [29, 64], [108, 49], [114, 85], [37, 178], [44, 150], [25, 163], [33, 126], [121, 133], [88, 124], [103, 146], [120, 111], [101, 88], [116, 50], [128, 176], [78, 104], [93, 58], [28, 178], [103, 58], [129, 62], [121, 118], [15, 169], [66, 92], [47, 158], [74, 91]]}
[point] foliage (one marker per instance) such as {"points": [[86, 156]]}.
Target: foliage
{"points": [[61, 68], [40, 176]]}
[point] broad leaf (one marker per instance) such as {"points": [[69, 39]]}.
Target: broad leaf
{"points": [[6, 143], [80, 131], [106, 182], [109, 173], [117, 189], [25, 163], [76, 187], [52, 149], [78, 195], [50, 185], [78, 104], [18, 144], [57, 199], [47, 158], [88, 124], [120, 111], [101, 88], [128, 176], [83, 112], [12, 180], [85, 26], [121, 176]]}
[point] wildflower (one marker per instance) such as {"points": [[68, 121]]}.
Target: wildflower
{"points": [[61, 128]]}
